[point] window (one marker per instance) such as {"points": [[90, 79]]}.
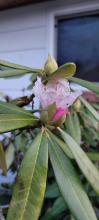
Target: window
{"points": [[78, 41]]}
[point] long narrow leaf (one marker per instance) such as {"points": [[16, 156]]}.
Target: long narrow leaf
{"points": [[9, 122], [9, 155], [61, 143], [89, 119], [77, 127], [70, 125], [29, 190], [89, 85], [70, 185], [3, 164], [90, 108], [94, 156], [73, 127], [86, 166], [12, 73], [12, 109], [20, 67]]}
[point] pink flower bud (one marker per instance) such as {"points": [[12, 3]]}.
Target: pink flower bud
{"points": [[59, 113]]}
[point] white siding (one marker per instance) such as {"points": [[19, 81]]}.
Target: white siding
{"points": [[27, 35], [22, 40]]}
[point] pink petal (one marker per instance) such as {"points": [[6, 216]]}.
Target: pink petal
{"points": [[57, 91]]}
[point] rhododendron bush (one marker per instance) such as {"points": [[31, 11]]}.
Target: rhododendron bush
{"points": [[56, 142]]}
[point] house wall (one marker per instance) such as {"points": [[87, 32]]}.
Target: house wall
{"points": [[27, 35]]}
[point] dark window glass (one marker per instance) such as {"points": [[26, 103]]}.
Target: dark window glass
{"points": [[78, 41]]}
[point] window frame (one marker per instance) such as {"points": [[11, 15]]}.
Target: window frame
{"points": [[72, 9]]}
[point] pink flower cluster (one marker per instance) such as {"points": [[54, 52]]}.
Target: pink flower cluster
{"points": [[55, 91]]}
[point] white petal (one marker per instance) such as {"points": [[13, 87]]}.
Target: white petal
{"points": [[71, 98], [55, 91]]}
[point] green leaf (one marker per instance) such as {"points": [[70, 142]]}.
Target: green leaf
{"points": [[73, 127], [9, 154], [61, 144], [11, 73], [12, 109], [64, 71], [70, 125], [93, 155], [86, 166], [29, 190], [89, 120], [88, 136], [51, 111], [70, 185], [20, 67], [9, 122], [52, 191], [58, 207], [89, 85], [3, 164], [47, 114], [72, 218], [90, 108], [77, 127], [95, 105], [44, 116]]}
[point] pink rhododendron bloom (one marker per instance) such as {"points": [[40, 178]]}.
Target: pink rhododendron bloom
{"points": [[55, 91]]}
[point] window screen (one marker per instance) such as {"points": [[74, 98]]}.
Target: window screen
{"points": [[78, 41]]}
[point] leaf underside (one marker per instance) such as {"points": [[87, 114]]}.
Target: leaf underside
{"points": [[89, 85]]}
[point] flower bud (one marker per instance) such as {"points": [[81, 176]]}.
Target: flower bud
{"points": [[59, 122], [47, 114], [59, 117], [50, 65], [44, 117], [77, 105]]}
